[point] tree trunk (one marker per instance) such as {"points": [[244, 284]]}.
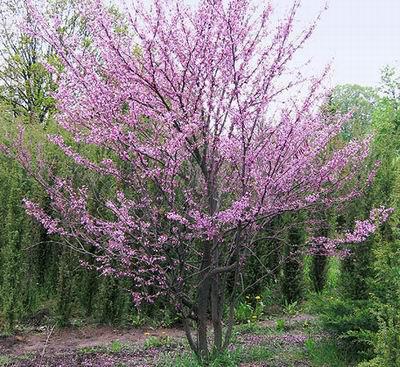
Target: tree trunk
{"points": [[216, 312], [203, 298], [318, 272]]}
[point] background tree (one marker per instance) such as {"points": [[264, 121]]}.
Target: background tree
{"points": [[292, 264], [358, 100], [359, 103], [25, 83], [362, 310], [383, 282]]}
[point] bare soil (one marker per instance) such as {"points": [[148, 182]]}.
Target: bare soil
{"points": [[91, 346], [66, 339]]}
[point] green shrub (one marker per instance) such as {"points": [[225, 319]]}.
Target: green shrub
{"points": [[249, 310], [351, 322], [280, 325], [325, 353], [116, 346]]}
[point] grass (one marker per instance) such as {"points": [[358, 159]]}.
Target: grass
{"points": [[252, 328], [4, 360], [280, 325], [324, 353], [90, 350], [158, 341], [7, 360], [256, 354], [230, 358], [115, 347]]}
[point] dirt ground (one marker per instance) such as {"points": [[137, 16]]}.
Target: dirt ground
{"points": [[61, 340], [92, 346]]}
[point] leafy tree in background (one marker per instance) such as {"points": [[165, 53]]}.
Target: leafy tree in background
{"points": [[319, 261], [292, 267], [201, 156], [357, 100], [25, 83], [13, 269], [365, 312], [358, 267], [359, 103], [30, 250], [384, 285], [390, 85]]}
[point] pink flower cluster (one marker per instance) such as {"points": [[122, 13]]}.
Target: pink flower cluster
{"points": [[362, 230]]}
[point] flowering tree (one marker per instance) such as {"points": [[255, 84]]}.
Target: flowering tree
{"points": [[203, 151]]}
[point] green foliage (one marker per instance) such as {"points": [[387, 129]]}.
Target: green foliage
{"points": [[384, 281], [11, 270], [56, 286], [387, 341], [318, 272], [167, 317], [16, 296], [280, 325], [249, 310], [26, 85], [332, 274], [358, 100], [324, 353], [116, 346], [385, 299], [356, 270], [158, 341], [5, 360], [229, 358], [291, 309], [65, 299], [365, 317], [292, 269], [350, 322], [243, 312], [112, 301]]}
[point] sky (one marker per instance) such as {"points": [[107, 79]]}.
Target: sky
{"points": [[358, 37]]}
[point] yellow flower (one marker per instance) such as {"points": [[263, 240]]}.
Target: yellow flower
{"points": [[258, 298], [254, 316]]}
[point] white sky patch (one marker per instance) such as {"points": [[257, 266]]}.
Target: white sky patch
{"points": [[359, 37]]}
